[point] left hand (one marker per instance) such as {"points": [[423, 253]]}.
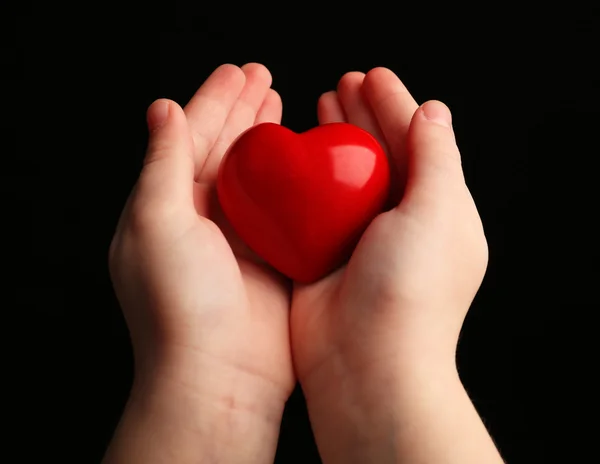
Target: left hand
{"points": [[374, 338]]}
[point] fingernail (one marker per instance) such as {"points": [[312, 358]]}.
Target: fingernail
{"points": [[158, 114], [437, 112]]}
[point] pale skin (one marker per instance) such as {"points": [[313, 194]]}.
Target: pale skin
{"points": [[220, 338]]}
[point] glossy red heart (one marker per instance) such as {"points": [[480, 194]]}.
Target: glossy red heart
{"points": [[302, 201]]}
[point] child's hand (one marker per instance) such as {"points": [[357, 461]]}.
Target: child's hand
{"points": [[374, 343], [209, 324]]}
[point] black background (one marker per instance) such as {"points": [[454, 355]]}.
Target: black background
{"points": [[523, 94]]}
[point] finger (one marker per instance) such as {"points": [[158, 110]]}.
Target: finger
{"points": [[355, 107], [434, 163], [329, 108], [393, 107], [209, 108], [271, 109], [241, 117], [167, 176]]}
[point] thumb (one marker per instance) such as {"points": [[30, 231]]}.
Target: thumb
{"points": [[434, 163], [168, 171]]}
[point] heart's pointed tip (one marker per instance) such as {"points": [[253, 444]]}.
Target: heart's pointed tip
{"points": [[301, 275], [305, 281], [309, 277]]}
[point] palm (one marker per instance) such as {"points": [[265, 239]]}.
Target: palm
{"points": [[320, 310], [385, 267], [323, 323], [258, 296], [255, 298]]}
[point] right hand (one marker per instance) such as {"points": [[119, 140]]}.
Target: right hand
{"points": [[209, 323]]}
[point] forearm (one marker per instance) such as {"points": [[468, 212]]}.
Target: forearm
{"points": [[416, 415], [172, 420]]}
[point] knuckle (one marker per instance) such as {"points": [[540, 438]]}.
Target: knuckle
{"points": [[113, 254], [476, 243], [116, 257], [480, 251], [149, 216], [147, 210], [141, 217], [158, 149]]}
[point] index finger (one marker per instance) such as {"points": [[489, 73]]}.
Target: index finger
{"points": [[210, 106]]}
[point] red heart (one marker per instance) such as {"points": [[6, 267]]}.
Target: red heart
{"points": [[302, 201]]}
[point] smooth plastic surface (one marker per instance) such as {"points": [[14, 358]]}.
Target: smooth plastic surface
{"points": [[302, 201]]}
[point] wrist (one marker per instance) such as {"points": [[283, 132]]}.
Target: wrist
{"points": [[191, 410], [372, 381], [372, 362], [213, 380], [368, 406], [413, 414]]}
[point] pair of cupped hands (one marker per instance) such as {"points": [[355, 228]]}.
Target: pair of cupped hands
{"points": [[209, 320]]}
